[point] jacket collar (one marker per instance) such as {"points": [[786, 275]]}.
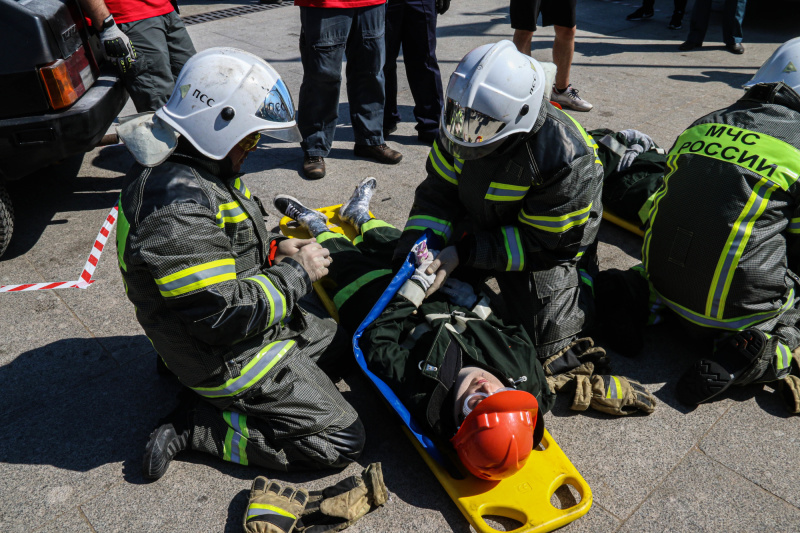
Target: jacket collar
{"points": [[773, 93]]}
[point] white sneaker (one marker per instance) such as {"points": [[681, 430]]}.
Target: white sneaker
{"points": [[570, 99]]}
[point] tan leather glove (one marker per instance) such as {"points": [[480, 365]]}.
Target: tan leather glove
{"points": [[615, 395], [339, 506], [273, 508], [575, 354]]}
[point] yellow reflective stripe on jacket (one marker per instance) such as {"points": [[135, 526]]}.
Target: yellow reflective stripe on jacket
{"points": [[260, 509], [502, 192], [252, 372], [784, 356], [735, 245], [731, 324], [197, 277], [514, 251], [241, 187], [586, 137], [235, 443], [439, 226], [794, 225], [276, 299], [230, 212], [558, 224], [672, 165], [123, 228], [767, 156], [441, 166]]}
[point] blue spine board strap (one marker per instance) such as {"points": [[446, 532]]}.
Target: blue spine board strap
{"points": [[402, 275]]}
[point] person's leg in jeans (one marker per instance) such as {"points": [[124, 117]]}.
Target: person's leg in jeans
{"points": [[395, 20], [366, 54], [323, 36], [732, 17], [179, 43], [422, 67], [701, 14]]}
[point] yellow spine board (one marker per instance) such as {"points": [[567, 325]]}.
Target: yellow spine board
{"points": [[624, 224], [525, 496]]}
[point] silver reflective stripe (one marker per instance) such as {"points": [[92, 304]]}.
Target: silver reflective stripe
{"points": [[197, 277], [256, 369], [277, 301], [237, 436]]}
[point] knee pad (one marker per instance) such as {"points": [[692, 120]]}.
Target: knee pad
{"points": [[349, 442]]}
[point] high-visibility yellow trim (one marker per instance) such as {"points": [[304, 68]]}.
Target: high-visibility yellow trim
{"points": [[770, 158], [268, 507], [727, 262], [195, 272], [322, 237], [441, 158], [374, 223], [556, 224], [586, 137], [346, 292]]}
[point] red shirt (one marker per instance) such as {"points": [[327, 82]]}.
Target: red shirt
{"points": [[338, 3], [133, 10]]}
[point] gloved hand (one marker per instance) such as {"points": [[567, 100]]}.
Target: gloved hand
{"points": [[118, 48], [789, 389], [273, 508], [339, 506], [615, 395], [638, 143], [442, 6], [576, 354], [459, 293], [444, 264], [423, 257]]}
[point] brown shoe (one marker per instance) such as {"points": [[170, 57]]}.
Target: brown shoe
{"points": [[380, 153], [314, 167]]}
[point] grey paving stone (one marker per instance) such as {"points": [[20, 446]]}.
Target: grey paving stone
{"points": [[757, 439], [703, 495], [72, 521], [74, 446]]}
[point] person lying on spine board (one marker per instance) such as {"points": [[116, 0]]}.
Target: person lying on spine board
{"points": [[464, 374]]}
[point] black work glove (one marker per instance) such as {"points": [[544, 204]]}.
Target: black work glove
{"points": [[339, 506], [119, 48], [442, 6]]}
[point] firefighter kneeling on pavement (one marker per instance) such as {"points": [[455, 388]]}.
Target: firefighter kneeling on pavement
{"points": [[722, 246], [219, 296]]}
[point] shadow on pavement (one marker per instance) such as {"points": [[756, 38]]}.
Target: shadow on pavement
{"points": [[37, 198]]}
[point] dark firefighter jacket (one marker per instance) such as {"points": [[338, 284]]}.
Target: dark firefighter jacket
{"points": [[193, 251], [728, 213], [532, 206]]}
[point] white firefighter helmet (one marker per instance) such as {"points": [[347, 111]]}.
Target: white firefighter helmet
{"points": [[222, 95], [783, 65], [495, 92]]}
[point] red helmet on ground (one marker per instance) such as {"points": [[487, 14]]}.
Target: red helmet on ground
{"points": [[498, 435]]}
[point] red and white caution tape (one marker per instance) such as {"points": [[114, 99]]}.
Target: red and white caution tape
{"points": [[88, 269]]}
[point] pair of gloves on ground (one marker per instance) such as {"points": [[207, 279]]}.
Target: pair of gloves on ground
{"points": [[789, 387], [277, 508], [586, 367]]}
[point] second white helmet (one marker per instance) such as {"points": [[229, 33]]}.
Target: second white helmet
{"points": [[782, 65], [495, 92], [223, 95]]}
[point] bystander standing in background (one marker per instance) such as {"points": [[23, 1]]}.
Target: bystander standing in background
{"points": [[732, 17], [148, 43], [561, 15], [647, 11]]}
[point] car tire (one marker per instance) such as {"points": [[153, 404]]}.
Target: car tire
{"points": [[6, 219]]}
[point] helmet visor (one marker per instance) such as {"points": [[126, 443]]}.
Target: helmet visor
{"points": [[278, 105], [468, 125]]}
